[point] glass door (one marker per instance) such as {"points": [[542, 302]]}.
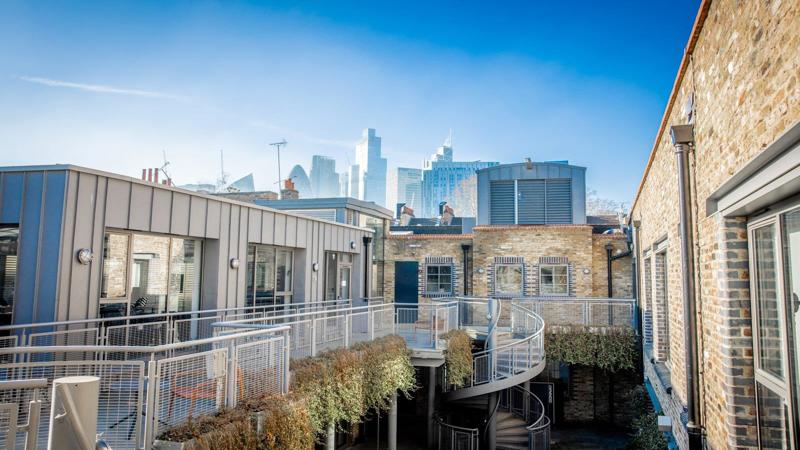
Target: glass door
{"points": [[344, 282], [8, 272]]}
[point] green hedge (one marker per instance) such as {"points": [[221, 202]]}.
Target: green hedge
{"points": [[609, 348]]}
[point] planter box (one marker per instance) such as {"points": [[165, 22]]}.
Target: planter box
{"points": [[257, 419]]}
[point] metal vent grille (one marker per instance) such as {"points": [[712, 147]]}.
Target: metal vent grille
{"points": [[531, 206], [559, 201], [501, 197]]}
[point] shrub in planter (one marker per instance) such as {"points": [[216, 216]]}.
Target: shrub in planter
{"points": [[285, 425], [458, 357], [386, 366], [332, 385], [612, 348]]}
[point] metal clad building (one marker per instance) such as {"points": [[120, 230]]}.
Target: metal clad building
{"points": [[48, 214], [535, 193]]}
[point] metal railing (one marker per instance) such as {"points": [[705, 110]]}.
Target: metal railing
{"points": [[591, 312], [451, 437], [150, 329], [423, 325], [24, 395], [525, 405], [147, 389], [519, 345]]}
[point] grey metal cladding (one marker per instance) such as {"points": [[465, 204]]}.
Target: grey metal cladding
{"points": [[501, 202]]}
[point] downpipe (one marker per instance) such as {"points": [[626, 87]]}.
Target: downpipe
{"points": [[683, 141]]}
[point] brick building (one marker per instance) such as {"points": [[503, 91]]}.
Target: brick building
{"points": [[715, 223], [507, 261]]}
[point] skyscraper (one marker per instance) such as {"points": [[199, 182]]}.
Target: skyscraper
{"points": [[405, 186], [301, 181], [324, 179], [368, 174], [454, 182]]}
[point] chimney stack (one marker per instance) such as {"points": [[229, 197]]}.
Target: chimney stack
{"points": [[289, 192]]}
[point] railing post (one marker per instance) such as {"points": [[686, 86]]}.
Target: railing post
{"points": [[313, 336], [287, 353], [346, 330], [150, 419], [230, 376]]}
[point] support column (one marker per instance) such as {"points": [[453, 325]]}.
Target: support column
{"points": [[431, 404], [491, 435], [330, 439], [393, 423]]}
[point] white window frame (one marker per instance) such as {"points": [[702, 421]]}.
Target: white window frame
{"points": [[521, 290], [451, 286], [781, 387], [554, 294]]}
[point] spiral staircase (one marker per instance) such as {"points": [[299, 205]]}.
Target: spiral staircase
{"points": [[512, 354]]}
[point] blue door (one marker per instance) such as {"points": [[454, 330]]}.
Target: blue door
{"points": [[406, 282]]}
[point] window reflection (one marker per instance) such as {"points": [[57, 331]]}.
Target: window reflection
{"points": [[269, 275], [8, 272], [767, 304]]}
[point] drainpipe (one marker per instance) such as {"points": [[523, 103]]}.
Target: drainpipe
{"points": [[683, 140], [609, 249], [467, 275], [367, 240]]}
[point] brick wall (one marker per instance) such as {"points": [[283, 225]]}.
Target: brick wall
{"points": [[743, 79], [530, 246]]}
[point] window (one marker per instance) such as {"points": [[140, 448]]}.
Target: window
{"points": [[439, 279], [269, 275], [508, 280], [553, 279], [115, 266], [9, 236], [767, 305], [775, 298], [661, 297], [149, 274]]}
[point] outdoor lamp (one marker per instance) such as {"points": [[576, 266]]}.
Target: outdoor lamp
{"points": [[85, 256]]}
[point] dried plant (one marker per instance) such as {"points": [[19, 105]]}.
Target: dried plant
{"points": [[458, 357]]}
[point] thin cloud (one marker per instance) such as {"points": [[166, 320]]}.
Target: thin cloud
{"points": [[99, 88], [303, 136]]}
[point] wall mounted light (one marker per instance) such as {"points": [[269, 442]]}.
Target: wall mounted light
{"points": [[85, 256], [352, 245], [480, 270], [586, 271], [234, 263], [315, 267]]}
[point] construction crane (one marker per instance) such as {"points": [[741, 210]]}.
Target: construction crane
{"points": [[278, 146]]}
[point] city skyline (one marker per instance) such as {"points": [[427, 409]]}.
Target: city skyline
{"points": [[114, 85]]}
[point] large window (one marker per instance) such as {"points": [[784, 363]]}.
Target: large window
{"points": [[8, 272], [149, 274], [508, 280], [269, 275], [439, 279], [553, 279], [775, 297]]}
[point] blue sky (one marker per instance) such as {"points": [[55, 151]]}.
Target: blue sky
{"points": [[111, 84]]}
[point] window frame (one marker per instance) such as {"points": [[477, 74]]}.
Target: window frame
{"points": [[784, 388], [130, 266], [553, 294], [287, 294], [439, 275], [521, 291]]}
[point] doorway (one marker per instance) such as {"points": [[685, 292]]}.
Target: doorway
{"points": [[406, 282]]}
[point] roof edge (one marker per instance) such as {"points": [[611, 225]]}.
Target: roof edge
{"points": [[694, 36]]}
